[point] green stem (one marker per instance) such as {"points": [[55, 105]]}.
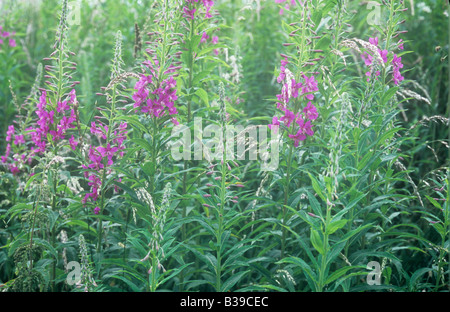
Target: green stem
{"points": [[286, 199], [186, 162], [53, 230], [323, 264], [99, 225], [103, 180], [220, 229], [153, 275]]}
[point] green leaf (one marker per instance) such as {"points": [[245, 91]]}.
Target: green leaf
{"points": [[440, 229], [317, 187], [203, 95], [303, 265], [388, 95], [142, 143], [336, 225], [316, 241], [226, 286], [434, 202], [31, 179], [337, 274]]}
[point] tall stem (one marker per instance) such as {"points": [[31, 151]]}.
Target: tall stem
{"points": [[103, 179], [186, 162], [323, 263], [220, 229], [286, 199], [53, 231]]}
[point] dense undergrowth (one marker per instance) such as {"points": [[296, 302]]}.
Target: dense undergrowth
{"points": [[98, 191]]}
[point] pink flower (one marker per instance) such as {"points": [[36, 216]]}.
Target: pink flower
{"points": [[288, 118], [108, 152], [310, 85], [275, 122], [374, 41], [73, 143], [9, 133], [310, 111], [367, 58], [62, 106], [14, 169], [304, 129], [282, 74], [96, 210], [19, 139], [205, 37], [397, 65], [72, 96], [189, 13], [383, 54]]}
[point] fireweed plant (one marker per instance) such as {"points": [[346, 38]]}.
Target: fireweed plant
{"points": [[107, 145], [199, 55], [92, 198], [224, 261]]}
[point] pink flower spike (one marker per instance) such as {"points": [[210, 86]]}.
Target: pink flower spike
{"points": [[96, 210]]}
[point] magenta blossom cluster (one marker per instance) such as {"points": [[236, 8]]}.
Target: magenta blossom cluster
{"points": [[53, 122], [7, 36], [17, 153], [383, 54], [301, 121], [102, 157], [190, 8], [156, 99]]}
